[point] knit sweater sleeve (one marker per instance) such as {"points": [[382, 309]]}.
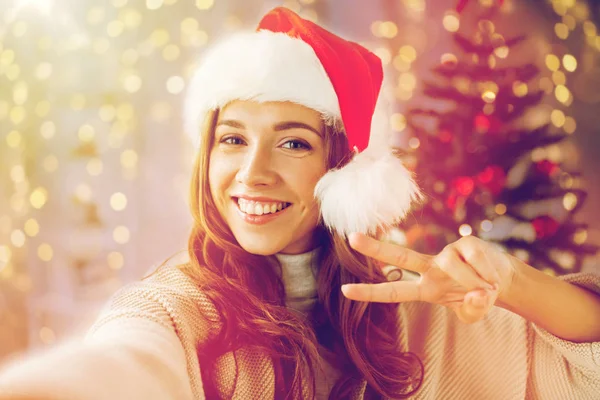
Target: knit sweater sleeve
{"points": [[502, 356], [559, 365], [141, 347]]}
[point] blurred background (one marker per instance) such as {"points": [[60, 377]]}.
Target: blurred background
{"points": [[95, 167]]}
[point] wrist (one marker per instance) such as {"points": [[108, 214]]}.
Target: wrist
{"points": [[515, 286]]}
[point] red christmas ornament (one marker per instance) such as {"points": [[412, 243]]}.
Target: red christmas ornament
{"points": [[445, 136], [545, 227], [486, 123], [451, 201], [493, 178], [463, 3], [463, 185], [481, 123], [547, 167]]}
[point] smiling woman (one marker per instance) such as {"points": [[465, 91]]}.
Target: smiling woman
{"points": [[265, 161], [286, 293]]}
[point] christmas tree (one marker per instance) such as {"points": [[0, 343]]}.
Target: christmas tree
{"points": [[482, 172]]}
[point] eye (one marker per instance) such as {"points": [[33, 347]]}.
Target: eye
{"points": [[296, 145], [232, 140]]}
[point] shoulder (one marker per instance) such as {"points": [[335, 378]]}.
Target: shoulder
{"points": [[168, 297]]}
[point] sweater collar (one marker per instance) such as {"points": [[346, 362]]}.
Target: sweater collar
{"points": [[298, 275]]}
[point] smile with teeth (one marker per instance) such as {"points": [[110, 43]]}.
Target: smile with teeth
{"points": [[260, 207]]}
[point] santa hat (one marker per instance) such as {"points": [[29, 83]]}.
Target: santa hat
{"points": [[292, 59]]}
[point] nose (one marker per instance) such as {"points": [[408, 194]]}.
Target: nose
{"points": [[257, 168]]}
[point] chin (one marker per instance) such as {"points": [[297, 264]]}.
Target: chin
{"points": [[263, 243], [260, 247]]}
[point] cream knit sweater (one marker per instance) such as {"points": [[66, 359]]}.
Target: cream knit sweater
{"points": [[144, 344]]}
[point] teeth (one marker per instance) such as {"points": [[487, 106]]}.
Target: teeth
{"points": [[254, 208]]}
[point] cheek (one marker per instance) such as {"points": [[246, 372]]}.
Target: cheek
{"points": [[305, 182], [217, 179]]}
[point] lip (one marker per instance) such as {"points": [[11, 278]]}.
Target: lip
{"points": [[258, 219]]}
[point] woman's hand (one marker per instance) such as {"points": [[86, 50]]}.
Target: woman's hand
{"points": [[467, 276]]}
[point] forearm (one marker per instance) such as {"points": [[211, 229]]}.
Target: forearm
{"points": [[565, 310]]}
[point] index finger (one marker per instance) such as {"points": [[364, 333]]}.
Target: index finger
{"points": [[390, 253]]}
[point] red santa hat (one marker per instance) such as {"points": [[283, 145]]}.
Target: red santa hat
{"points": [[292, 59]]}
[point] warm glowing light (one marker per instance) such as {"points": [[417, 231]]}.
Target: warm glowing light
{"points": [[386, 29], [107, 112], [562, 94], [175, 84], [86, 133], [569, 62], [559, 78], [414, 143], [94, 166], [17, 173], [50, 163], [132, 83], [118, 201], [115, 260], [589, 28], [561, 30], [465, 230], [45, 6], [407, 81], [580, 236], [38, 197], [500, 209], [502, 51], [47, 129], [17, 238], [5, 254], [204, 4], [398, 122], [171, 52], [552, 62], [45, 252], [31, 227], [451, 22], [408, 53], [486, 225], [121, 234], [488, 96], [519, 88], [129, 159], [83, 192], [558, 118], [154, 4], [570, 201], [570, 125], [449, 59], [13, 139], [384, 54]]}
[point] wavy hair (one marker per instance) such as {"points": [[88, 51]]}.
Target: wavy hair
{"points": [[360, 339]]}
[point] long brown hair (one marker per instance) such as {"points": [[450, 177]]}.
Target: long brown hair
{"points": [[360, 339]]}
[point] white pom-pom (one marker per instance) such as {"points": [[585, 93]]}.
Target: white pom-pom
{"points": [[373, 190]]}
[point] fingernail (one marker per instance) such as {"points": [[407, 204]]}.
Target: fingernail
{"points": [[345, 289]]}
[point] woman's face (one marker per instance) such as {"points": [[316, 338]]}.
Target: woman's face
{"points": [[264, 164]]}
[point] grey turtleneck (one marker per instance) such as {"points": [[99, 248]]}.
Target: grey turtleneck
{"points": [[298, 275]]}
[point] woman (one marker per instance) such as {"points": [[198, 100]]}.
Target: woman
{"points": [[286, 295]]}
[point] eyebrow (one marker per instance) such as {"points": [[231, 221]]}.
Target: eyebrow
{"points": [[281, 126]]}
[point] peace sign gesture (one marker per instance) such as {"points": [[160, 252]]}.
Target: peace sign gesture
{"points": [[467, 276]]}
